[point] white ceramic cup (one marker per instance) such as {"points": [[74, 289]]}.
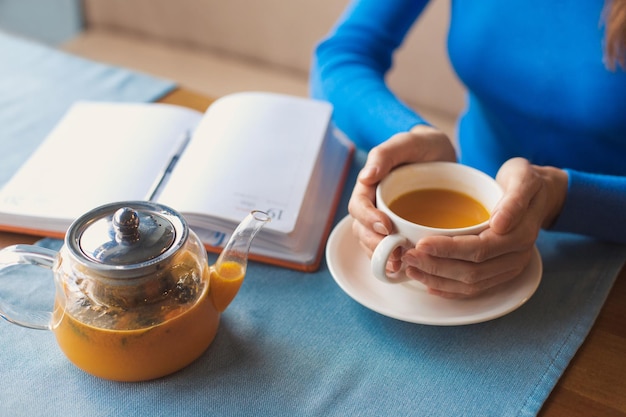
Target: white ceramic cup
{"points": [[442, 175]]}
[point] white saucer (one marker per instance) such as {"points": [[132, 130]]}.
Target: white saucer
{"points": [[350, 268]]}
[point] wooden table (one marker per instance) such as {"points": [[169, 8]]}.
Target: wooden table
{"points": [[594, 384]]}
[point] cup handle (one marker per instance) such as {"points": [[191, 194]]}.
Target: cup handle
{"points": [[25, 255], [381, 254]]}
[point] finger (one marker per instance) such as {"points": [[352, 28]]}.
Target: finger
{"points": [[477, 248], [448, 288], [369, 239], [467, 294], [468, 272], [363, 198], [468, 280], [521, 184], [437, 146], [362, 207], [422, 143], [396, 151]]}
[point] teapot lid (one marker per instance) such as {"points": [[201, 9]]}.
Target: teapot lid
{"points": [[126, 238]]}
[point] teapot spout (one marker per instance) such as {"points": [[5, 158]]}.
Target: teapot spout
{"points": [[238, 247], [228, 272]]}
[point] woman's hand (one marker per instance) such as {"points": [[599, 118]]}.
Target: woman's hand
{"points": [[463, 266], [423, 143]]}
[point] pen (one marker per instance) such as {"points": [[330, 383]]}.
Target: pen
{"points": [[164, 175]]}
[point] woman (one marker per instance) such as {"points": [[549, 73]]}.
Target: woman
{"points": [[546, 115]]}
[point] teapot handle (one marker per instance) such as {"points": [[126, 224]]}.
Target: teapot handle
{"points": [[25, 255]]}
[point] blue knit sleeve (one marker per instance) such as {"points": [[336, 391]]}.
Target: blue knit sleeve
{"points": [[349, 67], [595, 206]]}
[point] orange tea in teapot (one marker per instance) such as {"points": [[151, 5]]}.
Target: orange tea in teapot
{"points": [[130, 339]]}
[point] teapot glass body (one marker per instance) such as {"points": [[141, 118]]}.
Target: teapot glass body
{"points": [[135, 298], [141, 328]]}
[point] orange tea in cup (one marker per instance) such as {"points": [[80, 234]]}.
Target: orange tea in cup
{"points": [[439, 208]]}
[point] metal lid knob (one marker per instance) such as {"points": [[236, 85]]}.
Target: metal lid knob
{"points": [[126, 225]]}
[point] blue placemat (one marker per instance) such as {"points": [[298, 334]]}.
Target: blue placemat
{"points": [[293, 344]]}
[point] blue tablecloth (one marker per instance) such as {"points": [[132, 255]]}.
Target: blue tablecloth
{"points": [[294, 344]]}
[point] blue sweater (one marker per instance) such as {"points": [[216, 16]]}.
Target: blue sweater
{"points": [[537, 88]]}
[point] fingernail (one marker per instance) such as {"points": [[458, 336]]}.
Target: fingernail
{"points": [[426, 248], [380, 228], [500, 222], [368, 172], [408, 259], [415, 274]]}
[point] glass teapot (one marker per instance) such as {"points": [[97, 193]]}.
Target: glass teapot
{"points": [[135, 298]]}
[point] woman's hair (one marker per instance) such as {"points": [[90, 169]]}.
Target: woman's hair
{"points": [[614, 16]]}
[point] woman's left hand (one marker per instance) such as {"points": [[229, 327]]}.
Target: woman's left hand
{"points": [[463, 266]]}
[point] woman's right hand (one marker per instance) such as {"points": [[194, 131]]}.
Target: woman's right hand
{"points": [[421, 144]]}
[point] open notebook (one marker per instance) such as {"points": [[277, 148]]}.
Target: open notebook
{"points": [[254, 150]]}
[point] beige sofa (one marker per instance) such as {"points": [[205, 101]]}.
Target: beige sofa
{"points": [[217, 47]]}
